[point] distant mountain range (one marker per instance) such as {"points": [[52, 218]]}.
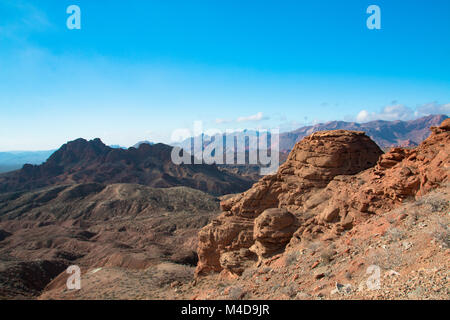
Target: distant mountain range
{"points": [[16, 159], [385, 133], [83, 161]]}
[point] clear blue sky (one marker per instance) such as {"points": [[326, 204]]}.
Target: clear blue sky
{"points": [[140, 69]]}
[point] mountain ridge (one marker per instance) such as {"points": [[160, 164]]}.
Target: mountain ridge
{"points": [[386, 134], [82, 161]]}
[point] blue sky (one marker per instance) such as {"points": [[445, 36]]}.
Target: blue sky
{"points": [[138, 70]]}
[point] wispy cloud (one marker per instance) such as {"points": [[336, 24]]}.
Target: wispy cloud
{"points": [[434, 108], [394, 112], [223, 121], [256, 117], [252, 118], [22, 19], [402, 112]]}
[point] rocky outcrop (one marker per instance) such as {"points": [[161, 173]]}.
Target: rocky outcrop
{"points": [[311, 165], [331, 181], [224, 234], [398, 175]]}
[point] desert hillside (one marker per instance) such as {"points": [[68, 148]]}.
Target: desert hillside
{"points": [[127, 226], [339, 220]]}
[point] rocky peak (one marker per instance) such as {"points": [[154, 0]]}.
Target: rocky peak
{"points": [[78, 150], [83, 161]]}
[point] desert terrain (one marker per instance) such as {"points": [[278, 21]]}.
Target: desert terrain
{"points": [[339, 220]]}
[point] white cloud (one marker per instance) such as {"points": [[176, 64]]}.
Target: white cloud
{"points": [[434, 108], [222, 121], [363, 116], [402, 112], [394, 112], [256, 117]]}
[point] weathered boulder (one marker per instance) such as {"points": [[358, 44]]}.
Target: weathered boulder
{"points": [[224, 234], [272, 231]]}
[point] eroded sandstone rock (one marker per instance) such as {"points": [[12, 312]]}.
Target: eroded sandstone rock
{"points": [[398, 175], [311, 165]]}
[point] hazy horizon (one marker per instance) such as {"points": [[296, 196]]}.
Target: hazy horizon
{"points": [[113, 145]]}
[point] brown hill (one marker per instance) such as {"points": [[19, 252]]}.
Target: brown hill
{"points": [[91, 225], [82, 161]]}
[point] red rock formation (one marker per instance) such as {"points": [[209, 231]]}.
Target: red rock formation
{"points": [[325, 184], [311, 165]]}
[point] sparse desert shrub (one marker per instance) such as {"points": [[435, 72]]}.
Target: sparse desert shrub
{"points": [[313, 246], [395, 234], [290, 290], [327, 256], [387, 259], [441, 233], [171, 273], [236, 293], [248, 273], [436, 203], [275, 288], [292, 257], [413, 216]]}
